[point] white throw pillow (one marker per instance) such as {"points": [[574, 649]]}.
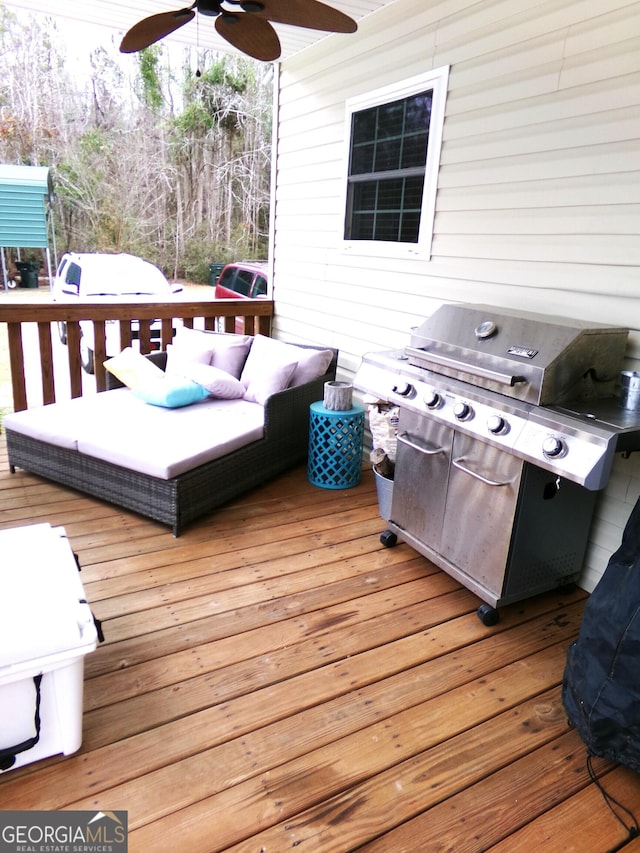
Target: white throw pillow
{"points": [[230, 352], [217, 382], [226, 351], [191, 345], [312, 364], [268, 369]]}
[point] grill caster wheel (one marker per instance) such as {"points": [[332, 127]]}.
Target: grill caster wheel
{"points": [[388, 538], [488, 615]]}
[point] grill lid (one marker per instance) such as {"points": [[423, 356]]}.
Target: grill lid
{"points": [[535, 358]]}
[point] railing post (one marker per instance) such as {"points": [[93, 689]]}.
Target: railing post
{"points": [[211, 314], [99, 354], [16, 361], [46, 363], [73, 353]]}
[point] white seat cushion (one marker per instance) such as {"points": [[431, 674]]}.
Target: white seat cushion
{"points": [[59, 423], [117, 427]]}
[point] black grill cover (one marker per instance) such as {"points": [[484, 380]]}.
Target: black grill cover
{"points": [[601, 684]]}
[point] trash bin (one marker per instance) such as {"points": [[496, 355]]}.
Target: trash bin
{"points": [[214, 272], [28, 273]]}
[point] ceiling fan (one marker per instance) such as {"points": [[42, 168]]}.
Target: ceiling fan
{"points": [[243, 23]]}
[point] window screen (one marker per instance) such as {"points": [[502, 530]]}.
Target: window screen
{"points": [[393, 139], [389, 144]]}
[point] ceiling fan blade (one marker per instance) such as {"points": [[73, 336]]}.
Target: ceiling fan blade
{"points": [[307, 13], [250, 34], [152, 29]]}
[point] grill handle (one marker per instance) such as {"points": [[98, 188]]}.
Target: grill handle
{"points": [[403, 437], [457, 463], [465, 367]]}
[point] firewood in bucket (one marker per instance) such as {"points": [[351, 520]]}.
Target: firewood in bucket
{"points": [[381, 463]]}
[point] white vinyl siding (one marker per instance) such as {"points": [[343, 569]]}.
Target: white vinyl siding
{"points": [[538, 200]]}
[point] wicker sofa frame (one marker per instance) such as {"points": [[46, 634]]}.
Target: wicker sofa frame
{"points": [[181, 500]]}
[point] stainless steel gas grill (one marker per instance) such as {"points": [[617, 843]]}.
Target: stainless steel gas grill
{"points": [[501, 451]]}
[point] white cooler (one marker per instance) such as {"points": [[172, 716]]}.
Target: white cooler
{"points": [[46, 628]]}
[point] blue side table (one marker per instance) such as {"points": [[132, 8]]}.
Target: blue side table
{"points": [[336, 442]]}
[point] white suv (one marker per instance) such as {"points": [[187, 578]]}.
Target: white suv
{"points": [[112, 278]]}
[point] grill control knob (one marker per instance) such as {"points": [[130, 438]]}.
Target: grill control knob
{"points": [[432, 400], [462, 411], [497, 425], [403, 389], [553, 447]]}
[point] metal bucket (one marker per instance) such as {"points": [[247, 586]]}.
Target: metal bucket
{"points": [[630, 390], [384, 487]]}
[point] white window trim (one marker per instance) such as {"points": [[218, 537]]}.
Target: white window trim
{"points": [[438, 80]]}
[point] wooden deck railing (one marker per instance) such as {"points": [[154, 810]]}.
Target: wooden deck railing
{"points": [[254, 315]]}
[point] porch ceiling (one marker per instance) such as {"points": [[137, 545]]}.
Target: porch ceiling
{"points": [[120, 16]]}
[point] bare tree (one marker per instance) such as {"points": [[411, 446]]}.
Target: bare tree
{"points": [[176, 170]]}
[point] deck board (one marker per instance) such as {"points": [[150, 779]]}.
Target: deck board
{"points": [[274, 679]]}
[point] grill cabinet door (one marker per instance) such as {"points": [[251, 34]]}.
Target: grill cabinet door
{"points": [[421, 474], [484, 484]]}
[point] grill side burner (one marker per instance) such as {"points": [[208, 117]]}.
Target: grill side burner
{"points": [[493, 483]]}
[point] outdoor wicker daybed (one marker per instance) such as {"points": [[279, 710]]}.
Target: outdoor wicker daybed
{"points": [[76, 443]]}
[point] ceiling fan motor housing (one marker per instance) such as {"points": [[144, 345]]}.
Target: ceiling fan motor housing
{"points": [[209, 7], [215, 7]]}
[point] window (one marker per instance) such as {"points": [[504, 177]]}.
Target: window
{"points": [[71, 277], [243, 281], [73, 274], [260, 286], [394, 138]]}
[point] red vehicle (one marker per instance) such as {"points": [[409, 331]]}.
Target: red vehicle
{"points": [[243, 280]]}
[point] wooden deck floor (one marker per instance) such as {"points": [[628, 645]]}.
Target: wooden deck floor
{"points": [[275, 680]]}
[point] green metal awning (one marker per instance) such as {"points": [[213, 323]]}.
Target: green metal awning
{"points": [[25, 195]]}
